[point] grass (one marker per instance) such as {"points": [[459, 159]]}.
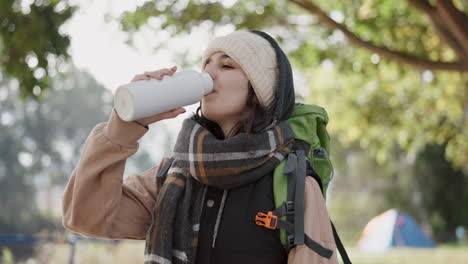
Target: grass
{"points": [[440, 255], [125, 252], [131, 252]]}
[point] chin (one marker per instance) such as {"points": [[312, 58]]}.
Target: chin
{"points": [[207, 110], [210, 114]]}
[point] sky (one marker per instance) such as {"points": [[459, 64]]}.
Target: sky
{"points": [[99, 46]]}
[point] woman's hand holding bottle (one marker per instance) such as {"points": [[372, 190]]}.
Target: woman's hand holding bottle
{"points": [[158, 74]]}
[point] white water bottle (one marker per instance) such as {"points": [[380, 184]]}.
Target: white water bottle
{"points": [[149, 97]]}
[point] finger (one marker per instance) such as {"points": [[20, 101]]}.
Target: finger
{"points": [[159, 73], [165, 72], [173, 70], [179, 110], [173, 113], [140, 77], [166, 115]]}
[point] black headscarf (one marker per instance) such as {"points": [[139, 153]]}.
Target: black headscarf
{"points": [[284, 98], [284, 95]]}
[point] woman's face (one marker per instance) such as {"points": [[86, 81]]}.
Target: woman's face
{"points": [[229, 97]]}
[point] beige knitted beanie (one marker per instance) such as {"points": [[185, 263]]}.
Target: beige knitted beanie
{"points": [[255, 56]]}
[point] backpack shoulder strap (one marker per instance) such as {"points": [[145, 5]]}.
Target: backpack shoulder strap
{"points": [[293, 208], [163, 170], [299, 199], [289, 215]]}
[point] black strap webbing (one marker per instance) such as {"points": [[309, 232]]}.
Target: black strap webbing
{"points": [[322, 251], [339, 245], [286, 208], [162, 172], [309, 242], [299, 199], [290, 171]]}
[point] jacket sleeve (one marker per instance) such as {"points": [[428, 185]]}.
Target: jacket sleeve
{"points": [[317, 226], [98, 201]]}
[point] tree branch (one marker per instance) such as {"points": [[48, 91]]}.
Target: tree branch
{"points": [[455, 20], [441, 28], [447, 36], [422, 5], [383, 51]]}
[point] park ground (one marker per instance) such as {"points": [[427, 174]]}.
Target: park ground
{"points": [[129, 252]]}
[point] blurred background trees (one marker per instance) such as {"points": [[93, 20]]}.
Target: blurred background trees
{"points": [[32, 43], [41, 143], [393, 75], [402, 77]]}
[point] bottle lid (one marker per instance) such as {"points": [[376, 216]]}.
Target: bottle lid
{"points": [[123, 103], [207, 83]]}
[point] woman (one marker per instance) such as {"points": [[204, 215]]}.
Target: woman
{"points": [[221, 177]]}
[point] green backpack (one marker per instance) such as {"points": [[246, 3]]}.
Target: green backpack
{"points": [[312, 143]]}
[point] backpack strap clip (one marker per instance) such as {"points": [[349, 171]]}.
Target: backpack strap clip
{"points": [[269, 220], [287, 208], [321, 153], [291, 241]]}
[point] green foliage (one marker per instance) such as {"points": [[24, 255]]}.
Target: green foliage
{"points": [[393, 106], [382, 22], [446, 198], [181, 16], [372, 100], [30, 39], [7, 256], [41, 144], [426, 187]]}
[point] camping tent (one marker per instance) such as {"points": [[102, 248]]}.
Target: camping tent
{"points": [[392, 229]]}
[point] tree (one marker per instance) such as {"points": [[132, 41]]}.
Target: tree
{"points": [[449, 23], [31, 44], [41, 143], [372, 90], [428, 188], [444, 200]]}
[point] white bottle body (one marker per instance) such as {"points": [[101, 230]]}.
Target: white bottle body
{"points": [[149, 97]]}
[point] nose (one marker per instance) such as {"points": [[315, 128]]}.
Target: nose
{"points": [[211, 70]]}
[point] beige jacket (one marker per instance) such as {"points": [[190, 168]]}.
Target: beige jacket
{"points": [[98, 202]]}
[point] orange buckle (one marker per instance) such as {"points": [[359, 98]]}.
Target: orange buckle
{"points": [[267, 220]]}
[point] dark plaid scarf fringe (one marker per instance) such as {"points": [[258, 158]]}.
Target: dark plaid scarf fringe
{"points": [[202, 160]]}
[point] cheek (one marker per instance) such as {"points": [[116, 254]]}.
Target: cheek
{"points": [[231, 101], [235, 98]]}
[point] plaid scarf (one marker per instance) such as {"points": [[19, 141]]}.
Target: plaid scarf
{"points": [[201, 160]]}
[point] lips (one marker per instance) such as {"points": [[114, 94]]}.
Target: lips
{"points": [[214, 91]]}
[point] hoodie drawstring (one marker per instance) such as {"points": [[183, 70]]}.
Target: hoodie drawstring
{"points": [[218, 219]]}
